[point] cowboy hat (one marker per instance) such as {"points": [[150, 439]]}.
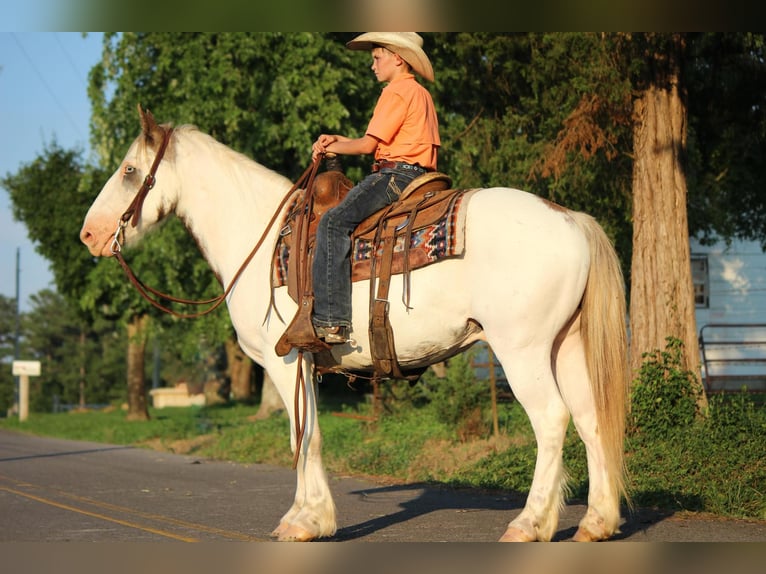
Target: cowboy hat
{"points": [[407, 45]]}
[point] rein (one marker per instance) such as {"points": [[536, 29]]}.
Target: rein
{"points": [[133, 212]]}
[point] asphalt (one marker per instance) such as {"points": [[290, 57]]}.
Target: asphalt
{"points": [[54, 490], [141, 507]]}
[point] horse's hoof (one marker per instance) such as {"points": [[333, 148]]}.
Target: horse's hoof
{"points": [[295, 534], [513, 534], [585, 535]]}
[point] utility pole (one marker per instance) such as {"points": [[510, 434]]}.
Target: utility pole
{"points": [[17, 334]]}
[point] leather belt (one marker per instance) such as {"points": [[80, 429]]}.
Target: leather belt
{"points": [[378, 165]]}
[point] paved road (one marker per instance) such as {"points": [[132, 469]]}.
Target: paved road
{"points": [[58, 490]]}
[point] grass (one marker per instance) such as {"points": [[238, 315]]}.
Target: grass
{"points": [[715, 465]]}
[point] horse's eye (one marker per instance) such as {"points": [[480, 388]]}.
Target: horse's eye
{"points": [[129, 170]]}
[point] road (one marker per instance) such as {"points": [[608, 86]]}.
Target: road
{"points": [[54, 490]]}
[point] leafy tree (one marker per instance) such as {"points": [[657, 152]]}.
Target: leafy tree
{"points": [[50, 195], [78, 366], [504, 101], [7, 326], [267, 95], [7, 347], [598, 122], [575, 117], [726, 78]]}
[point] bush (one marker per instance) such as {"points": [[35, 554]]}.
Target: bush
{"points": [[458, 400], [664, 396]]}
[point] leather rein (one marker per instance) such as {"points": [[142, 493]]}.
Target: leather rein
{"points": [[132, 214]]}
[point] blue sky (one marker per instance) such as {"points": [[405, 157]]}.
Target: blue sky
{"points": [[43, 97]]}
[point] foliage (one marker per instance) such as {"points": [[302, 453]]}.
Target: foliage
{"points": [[7, 326], [7, 348], [264, 94], [548, 112], [713, 465], [664, 396], [458, 400], [673, 451], [49, 196], [727, 112]]}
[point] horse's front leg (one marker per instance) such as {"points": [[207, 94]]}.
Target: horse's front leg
{"points": [[312, 514]]}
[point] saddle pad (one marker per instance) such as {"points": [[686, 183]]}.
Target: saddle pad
{"points": [[439, 240]]}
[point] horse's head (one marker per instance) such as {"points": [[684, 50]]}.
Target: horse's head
{"points": [[126, 203]]}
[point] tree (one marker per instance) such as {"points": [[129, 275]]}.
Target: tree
{"points": [[264, 94], [77, 366], [650, 99], [549, 113], [569, 116], [616, 125], [50, 195], [726, 78], [7, 345], [661, 295]]}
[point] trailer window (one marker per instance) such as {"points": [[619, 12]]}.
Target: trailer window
{"points": [[700, 278]]}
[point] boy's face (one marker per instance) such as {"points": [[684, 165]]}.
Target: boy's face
{"points": [[386, 64]]}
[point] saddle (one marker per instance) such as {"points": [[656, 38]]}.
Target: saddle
{"points": [[419, 228]]}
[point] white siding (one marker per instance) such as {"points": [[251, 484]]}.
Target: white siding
{"points": [[737, 295]]}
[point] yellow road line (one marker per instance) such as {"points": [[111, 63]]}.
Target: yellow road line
{"points": [[161, 518], [125, 510], [100, 516]]}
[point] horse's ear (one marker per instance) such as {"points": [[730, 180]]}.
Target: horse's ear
{"points": [[149, 127]]}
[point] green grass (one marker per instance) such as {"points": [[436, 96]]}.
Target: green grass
{"points": [[715, 465]]}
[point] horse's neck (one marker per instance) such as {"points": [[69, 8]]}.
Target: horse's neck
{"points": [[226, 201]]}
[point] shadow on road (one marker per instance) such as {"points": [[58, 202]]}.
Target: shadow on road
{"points": [[433, 499], [69, 453]]}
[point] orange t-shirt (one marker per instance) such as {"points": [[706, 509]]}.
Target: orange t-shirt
{"points": [[405, 124]]}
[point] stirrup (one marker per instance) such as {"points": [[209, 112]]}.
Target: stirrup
{"points": [[336, 335]]}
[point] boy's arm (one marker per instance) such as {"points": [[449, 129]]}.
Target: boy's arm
{"points": [[343, 145]]}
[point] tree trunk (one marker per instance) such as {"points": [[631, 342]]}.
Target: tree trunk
{"points": [[661, 295], [82, 367], [137, 403], [271, 402], [240, 371]]}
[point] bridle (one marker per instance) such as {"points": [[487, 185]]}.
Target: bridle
{"points": [[132, 214]]}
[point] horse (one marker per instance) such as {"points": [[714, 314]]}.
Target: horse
{"points": [[541, 284]]}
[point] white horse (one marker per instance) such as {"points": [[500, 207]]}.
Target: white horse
{"points": [[541, 284]]}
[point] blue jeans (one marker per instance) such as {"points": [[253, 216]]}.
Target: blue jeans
{"points": [[332, 263]]}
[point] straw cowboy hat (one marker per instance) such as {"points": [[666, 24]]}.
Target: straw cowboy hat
{"points": [[407, 45]]}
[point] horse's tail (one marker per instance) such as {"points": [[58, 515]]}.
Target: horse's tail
{"points": [[605, 339]]}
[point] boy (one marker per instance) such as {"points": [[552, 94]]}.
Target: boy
{"points": [[403, 134]]}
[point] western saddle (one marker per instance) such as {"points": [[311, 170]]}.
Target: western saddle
{"points": [[424, 201]]}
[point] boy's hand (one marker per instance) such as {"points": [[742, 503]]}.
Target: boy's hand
{"points": [[320, 146]]}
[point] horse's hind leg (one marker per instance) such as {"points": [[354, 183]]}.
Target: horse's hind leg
{"points": [[602, 518], [530, 375]]}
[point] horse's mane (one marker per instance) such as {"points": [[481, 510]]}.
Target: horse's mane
{"points": [[238, 165]]}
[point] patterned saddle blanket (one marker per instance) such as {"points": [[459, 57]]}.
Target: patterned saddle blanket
{"points": [[429, 221]]}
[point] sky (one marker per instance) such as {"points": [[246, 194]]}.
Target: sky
{"points": [[43, 98]]}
